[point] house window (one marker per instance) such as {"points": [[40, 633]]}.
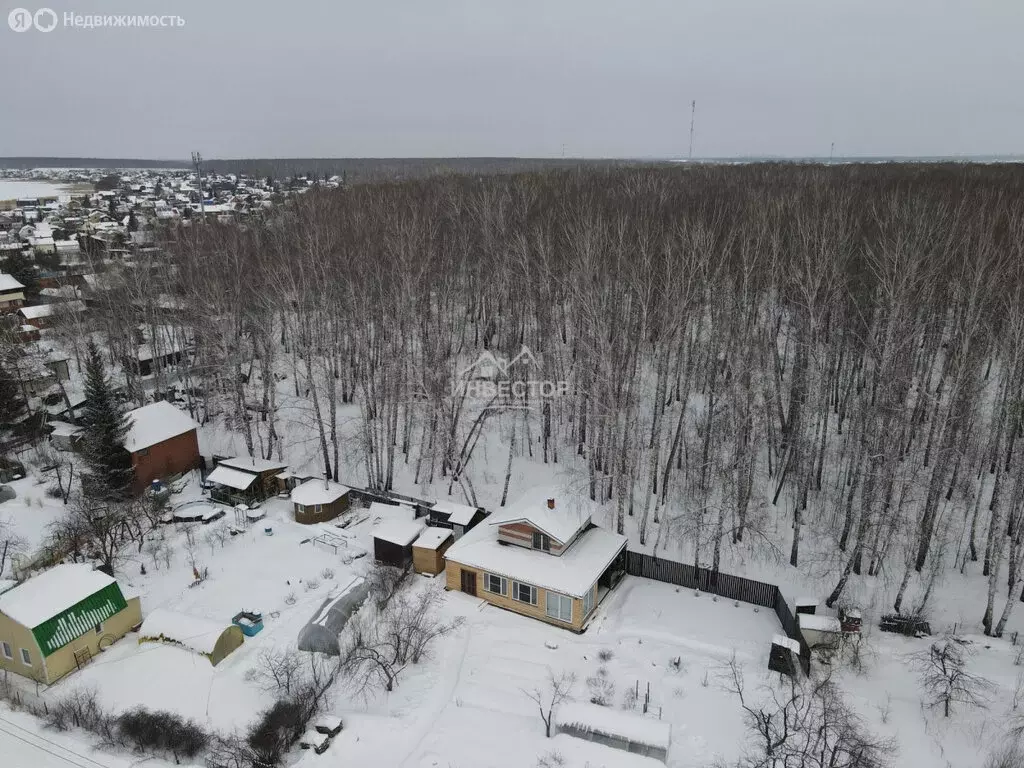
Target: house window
{"points": [[541, 541], [559, 607], [496, 584], [99, 627], [588, 602], [26, 657], [7, 650], [143, 452], [524, 593]]}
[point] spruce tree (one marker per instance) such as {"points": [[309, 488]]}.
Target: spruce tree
{"points": [[105, 430], [11, 401]]}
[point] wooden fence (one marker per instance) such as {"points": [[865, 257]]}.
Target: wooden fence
{"points": [[724, 585]]}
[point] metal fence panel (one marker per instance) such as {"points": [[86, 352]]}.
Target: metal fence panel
{"points": [[724, 585]]}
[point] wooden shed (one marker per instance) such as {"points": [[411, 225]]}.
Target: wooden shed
{"points": [[428, 550], [392, 542], [318, 501]]}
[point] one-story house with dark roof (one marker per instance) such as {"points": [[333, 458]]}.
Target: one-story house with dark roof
{"points": [[57, 621], [162, 441]]}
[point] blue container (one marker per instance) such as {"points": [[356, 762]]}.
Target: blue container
{"points": [[250, 623]]}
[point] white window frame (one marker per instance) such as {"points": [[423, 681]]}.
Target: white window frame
{"points": [[26, 657], [502, 583], [588, 601], [539, 539], [5, 647], [558, 601], [515, 592]]}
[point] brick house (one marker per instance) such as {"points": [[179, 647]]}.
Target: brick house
{"points": [[543, 558], [162, 441]]}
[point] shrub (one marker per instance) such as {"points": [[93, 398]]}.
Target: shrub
{"points": [[158, 731], [605, 655], [327, 574]]}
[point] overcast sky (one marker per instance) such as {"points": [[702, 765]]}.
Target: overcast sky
{"points": [[604, 78]]}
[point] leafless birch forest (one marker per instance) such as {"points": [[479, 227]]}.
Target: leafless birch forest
{"points": [[841, 348]]}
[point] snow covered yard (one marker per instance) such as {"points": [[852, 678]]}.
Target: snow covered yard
{"points": [[284, 576], [30, 514], [471, 695]]}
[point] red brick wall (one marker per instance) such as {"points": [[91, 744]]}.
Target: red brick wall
{"points": [[171, 457]]}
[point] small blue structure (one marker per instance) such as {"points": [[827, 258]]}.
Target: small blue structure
{"points": [[250, 622]]}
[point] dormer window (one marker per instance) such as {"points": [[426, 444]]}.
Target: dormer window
{"points": [[541, 541]]}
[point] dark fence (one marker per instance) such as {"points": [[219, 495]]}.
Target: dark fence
{"points": [[724, 585]]}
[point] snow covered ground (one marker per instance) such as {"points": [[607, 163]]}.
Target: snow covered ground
{"points": [[30, 514], [13, 189]]}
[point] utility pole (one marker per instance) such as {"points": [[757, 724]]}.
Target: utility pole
{"points": [[831, 153], [197, 161], [693, 120]]}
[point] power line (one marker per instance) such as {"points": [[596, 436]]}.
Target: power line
{"points": [[48, 751]]}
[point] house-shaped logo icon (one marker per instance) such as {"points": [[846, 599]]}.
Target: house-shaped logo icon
{"points": [[491, 366]]}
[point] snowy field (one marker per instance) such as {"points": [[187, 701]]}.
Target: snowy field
{"points": [[11, 190]]}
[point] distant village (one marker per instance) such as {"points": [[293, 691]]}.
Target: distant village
{"points": [[58, 252]]}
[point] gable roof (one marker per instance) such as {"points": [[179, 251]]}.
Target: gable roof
{"points": [[231, 477], [50, 593], [251, 464], [9, 284], [459, 514], [571, 514], [152, 424], [571, 573]]}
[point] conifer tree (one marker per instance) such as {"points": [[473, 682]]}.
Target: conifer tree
{"points": [[106, 427], [11, 400]]}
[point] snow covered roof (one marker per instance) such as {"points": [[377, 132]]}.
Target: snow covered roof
{"points": [[819, 623], [314, 492], [804, 602], [578, 753], [232, 478], [571, 573], [63, 429], [635, 728], [432, 538], [251, 464], [380, 509], [8, 283], [152, 424], [44, 596], [400, 532], [459, 514], [45, 310], [786, 642], [195, 633], [571, 513]]}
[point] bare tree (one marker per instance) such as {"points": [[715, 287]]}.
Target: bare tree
{"points": [[945, 681], [558, 689]]}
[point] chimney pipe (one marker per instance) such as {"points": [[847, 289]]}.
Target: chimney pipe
{"points": [[551, 503]]}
